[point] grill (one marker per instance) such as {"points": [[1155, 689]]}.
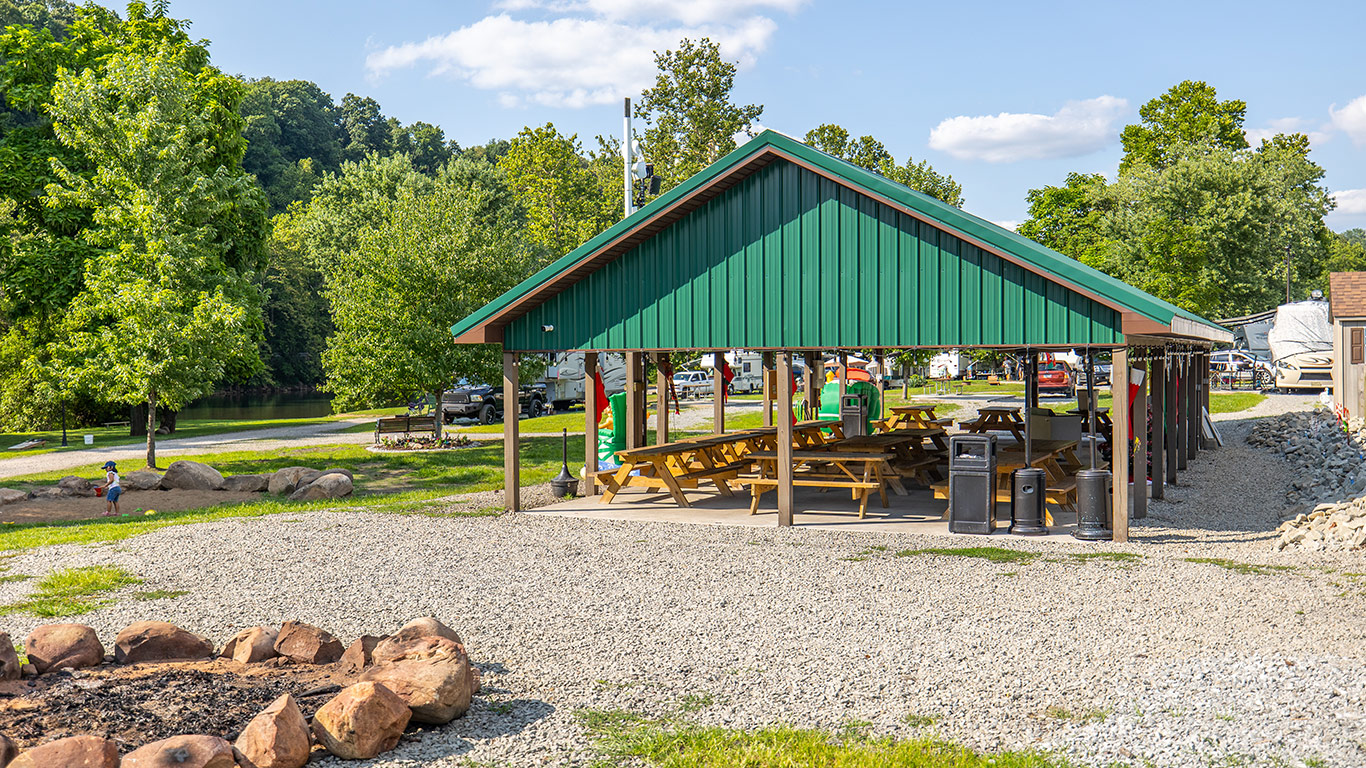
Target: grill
{"points": [[459, 398]]}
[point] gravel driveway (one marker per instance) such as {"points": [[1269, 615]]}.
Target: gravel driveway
{"points": [[1159, 659]]}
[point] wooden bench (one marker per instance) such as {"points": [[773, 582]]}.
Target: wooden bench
{"points": [[405, 425], [825, 470], [117, 424], [647, 477]]}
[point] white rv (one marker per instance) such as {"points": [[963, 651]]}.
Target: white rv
{"points": [[1301, 341], [564, 377]]}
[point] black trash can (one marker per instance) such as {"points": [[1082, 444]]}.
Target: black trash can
{"points": [[972, 483], [854, 415], [1093, 505], [1027, 499]]}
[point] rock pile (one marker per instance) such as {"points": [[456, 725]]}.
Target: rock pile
{"points": [[1326, 504], [420, 674], [298, 483]]}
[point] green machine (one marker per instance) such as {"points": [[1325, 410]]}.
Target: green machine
{"points": [[830, 400], [612, 431]]}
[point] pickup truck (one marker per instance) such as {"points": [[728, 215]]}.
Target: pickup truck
{"points": [[485, 403], [693, 383]]}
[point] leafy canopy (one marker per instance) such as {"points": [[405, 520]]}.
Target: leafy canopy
{"points": [[868, 152], [1188, 113]]}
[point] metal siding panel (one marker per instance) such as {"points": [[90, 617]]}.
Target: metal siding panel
{"points": [[908, 302], [970, 289], [869, 273], [991, 299], [929, 284], [1055, 331], [810, 305], [849, 267], [889, 269], [702, 303], [790, 304], [950, 330], [1012, 304], [754, 259], [1036, 308], [830, 304], [773, 249]]}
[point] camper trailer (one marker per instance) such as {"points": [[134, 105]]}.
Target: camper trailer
{"points": [[1301, 341], [948, 365], [564, 377]]}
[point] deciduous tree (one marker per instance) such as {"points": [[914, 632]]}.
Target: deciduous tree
{"points": [[868, 152]]}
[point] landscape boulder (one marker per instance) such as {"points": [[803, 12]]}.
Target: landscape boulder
{"points": [[59, 646], [141, 480], [155, 641], [10, 668], [362, 721], [313, 474], [49, 492], [185, 475], [358, 654], [251, 645], [183, 752], [71, 485], [333, 486], [246, 483], [286, 480], [278, 737], [434, 679], [8, 751], [400, 643], [11, 496], [72, 752], [307, 644]]}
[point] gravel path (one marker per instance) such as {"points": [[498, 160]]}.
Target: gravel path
{"points": [[256, 440], [1162, 660]]}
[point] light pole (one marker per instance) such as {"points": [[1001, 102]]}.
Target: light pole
{"points": [[1287, 273], [626, 156]]}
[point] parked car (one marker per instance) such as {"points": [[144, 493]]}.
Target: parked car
{"points": [[1230, 360], [693, 383], [1307, 370], [485, 403], [1056, 378], [1102, 375]]}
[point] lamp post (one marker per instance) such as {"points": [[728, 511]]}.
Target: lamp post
{"points": [[1287, 273], [63, 423]]}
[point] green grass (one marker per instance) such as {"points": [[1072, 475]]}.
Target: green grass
{"points": [[574, 421], [1254, 569], [1232, 402], [625, 738], [920, 721], [72, 591], [1113, 557], [160, 594], [993, 554]]}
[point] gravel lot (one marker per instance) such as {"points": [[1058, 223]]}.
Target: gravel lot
{"points": [[1159, 660]]}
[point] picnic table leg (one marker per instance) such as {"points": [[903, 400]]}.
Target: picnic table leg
{"points": [[882, 483], [670, 483], [754, 493], [617, 482]]}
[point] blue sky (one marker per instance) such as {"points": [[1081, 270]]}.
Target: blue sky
{"points": [[1005, 96]]}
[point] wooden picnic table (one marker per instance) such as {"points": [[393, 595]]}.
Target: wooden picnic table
{"points": [[904, 447], [910, 416], [805, 434], [996, 419], [1102, 420], [860, 473], [675, 466]]}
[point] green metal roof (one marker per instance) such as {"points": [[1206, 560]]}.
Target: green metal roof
{"points": [[777, 210]]}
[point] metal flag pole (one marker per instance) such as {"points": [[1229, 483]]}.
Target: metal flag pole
{"points": [[626, 156]]}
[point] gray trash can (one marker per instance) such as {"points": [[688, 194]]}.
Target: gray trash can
{"points": [[972, 483], [1093, 505], [854, 415], [1027, 499]]}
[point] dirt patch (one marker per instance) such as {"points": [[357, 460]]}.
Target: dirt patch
{"points": [[131, 503], [144, 703]]}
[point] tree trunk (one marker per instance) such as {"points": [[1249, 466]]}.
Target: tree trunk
{"points": [[152, 430], [905, 382]]}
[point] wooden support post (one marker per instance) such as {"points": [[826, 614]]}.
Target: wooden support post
{"points": [[1193, 407], [1140, 429], [815, 379], [785, 438], [590, 425], [512, 474], [1204, 399], [843, 374], [1173, 430], [1183, 410], [1159, 444], [661, 399], [718, 389], [1120, 443], [634, 417], [770, 386]]}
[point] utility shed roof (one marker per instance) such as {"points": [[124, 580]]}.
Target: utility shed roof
{"points": [[1346, 294], [781, 246]]}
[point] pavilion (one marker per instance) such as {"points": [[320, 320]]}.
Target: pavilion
{"points": [[783, 249]]}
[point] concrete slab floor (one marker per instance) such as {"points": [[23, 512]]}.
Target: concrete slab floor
{"points": [[919, 512]]}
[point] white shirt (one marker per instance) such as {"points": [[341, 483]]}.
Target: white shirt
{"points": [[112, 478]]}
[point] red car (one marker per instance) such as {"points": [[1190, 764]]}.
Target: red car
{"points": [[1055, 378]]}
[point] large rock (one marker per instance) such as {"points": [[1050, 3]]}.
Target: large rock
{"points": [[286, 480], [9, 660], [362, 721], [71, 752], [278, 737], [8, 751], [59, 646], [251, 645], [358, 654], [246, 483], [11, 496], [72, 485], [333, 486], [49, 492], [141, 480], [183, 752], [188, 475], [434, 680], [153, 641], [400, 643], [307, 644], [314, 474]]}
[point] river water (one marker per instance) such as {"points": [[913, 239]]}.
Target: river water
{"points": [[258, 406]]}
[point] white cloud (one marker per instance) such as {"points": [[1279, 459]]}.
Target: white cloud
{"points": [[1350, 201], [1289, 125], [692, 12], [1351, 119], [594, 52], [1009, 224], [1079, 128]]}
